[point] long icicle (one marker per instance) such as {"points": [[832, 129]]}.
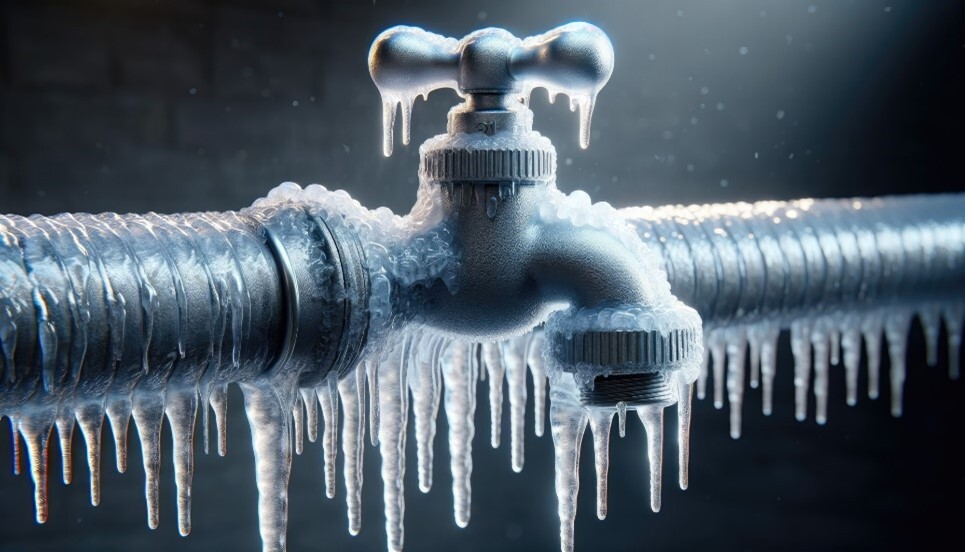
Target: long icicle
{"points": [[601, 419], [148, 416], [36, 431], [495, 370], [267, 405], [65, 433], [459, 378], [119, 415], [328, 400], [311, 413], [424, 386], [514, 360], [736, 347], [351, 390], [182, 412], [652, 418], [90, 417], [567, 424], [219, 404], [685, 392], [393, 406], [534, 358]]}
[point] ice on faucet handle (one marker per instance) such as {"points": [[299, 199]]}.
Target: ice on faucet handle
{"points": [[406, 62], [574, 59]]}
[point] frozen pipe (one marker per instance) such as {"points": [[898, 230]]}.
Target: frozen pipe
{"points": [[837, 273], [739, 262], [150, 314]]}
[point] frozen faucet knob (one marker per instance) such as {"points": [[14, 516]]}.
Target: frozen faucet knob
{"points": [[490, 68]]}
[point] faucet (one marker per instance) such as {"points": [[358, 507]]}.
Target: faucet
{"points": [[524, 249], [307, 298]]}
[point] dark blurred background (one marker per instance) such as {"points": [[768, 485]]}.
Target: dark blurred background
{"points": [[191, 105]]}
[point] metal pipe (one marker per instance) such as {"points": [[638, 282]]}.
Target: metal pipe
{"points": [[98, 305], [736, 263]]}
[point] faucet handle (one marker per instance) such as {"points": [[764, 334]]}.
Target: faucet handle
{"points": [[406, 62], [574, 59]]}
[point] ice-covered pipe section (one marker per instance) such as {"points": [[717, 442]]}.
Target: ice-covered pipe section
{"points": [[151, 315], [831, 271]]}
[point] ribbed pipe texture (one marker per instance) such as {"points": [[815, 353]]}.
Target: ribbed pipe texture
{"points": [[96, 305], [742, 261]]}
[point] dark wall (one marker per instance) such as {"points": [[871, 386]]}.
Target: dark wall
{"points": [[177, 105]]}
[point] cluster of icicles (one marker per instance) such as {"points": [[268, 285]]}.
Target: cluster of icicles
{"points": [[418, 371], [421, 371], [818, 343], [430, 62]]}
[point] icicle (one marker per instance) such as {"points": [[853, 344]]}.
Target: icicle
{"points": [[871, 329], [388, 124], [930, 318], [219, 404], [768, 340], [622, 418], [406, 103], [600, 421], [351, 391], [586, 104], [718, 350], [736, 347], [311, 413], [15, 443], [496, 371], [953, 316], [393, 405], [514, 360], [821, 368], [204, 400], [372, 373], [65, 432], [755, 359], [425, 386], [182, 412], [268, 407], [685, 393], [652, 418], [36, 431], [119, 415], [851, 345], [834, 342], [801, 349], [896, 332], [534, 358], [459, 378], [298, 425], [328, 400], [90, 417], [148, 415], [567, 424], [704, 374]]}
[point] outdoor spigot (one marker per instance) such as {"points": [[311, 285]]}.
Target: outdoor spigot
{"points": [[496, 177]]}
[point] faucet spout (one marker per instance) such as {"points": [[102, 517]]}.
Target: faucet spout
{"points": [[586, 267]]}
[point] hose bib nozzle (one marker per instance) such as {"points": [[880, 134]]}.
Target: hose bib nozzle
{"points": [[637, 367]]}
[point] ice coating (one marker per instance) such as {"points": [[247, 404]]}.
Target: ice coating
{"points": [[843, 276], [404, 63], [400, 251], [534, 65], [407, 62]]}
